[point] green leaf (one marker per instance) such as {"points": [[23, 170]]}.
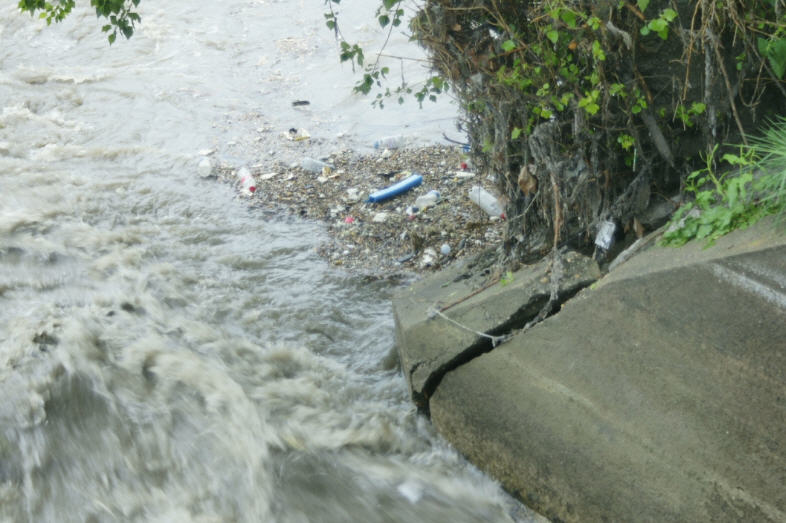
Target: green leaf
{"points": [[698, 108], [516, 133], [508, 45], [597, 51], [776, 53], [669, 14], [569, 17], [763, 45], [626, 141], [642, 4], [553, 35]]}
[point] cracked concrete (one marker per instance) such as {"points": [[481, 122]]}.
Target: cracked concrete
{"points": [[657, 394], [471, 303]]}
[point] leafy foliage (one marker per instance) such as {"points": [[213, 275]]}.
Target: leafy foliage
{"points": [[389, 15], [625, 93], [753, 188], [119, 13]]}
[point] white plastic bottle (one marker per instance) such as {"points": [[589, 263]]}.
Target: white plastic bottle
{"points": [[247, 182], [424, 201], [486, 201], [205, 168], [389, 142], [315, 166]]}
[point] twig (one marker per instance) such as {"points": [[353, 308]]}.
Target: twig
{"points": [[470, 295], [657, 136], [635, 11], [715, 46], [557, 209], [616, 31]]}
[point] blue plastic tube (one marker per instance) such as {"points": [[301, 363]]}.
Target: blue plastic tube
{"points": [[396, 189]]}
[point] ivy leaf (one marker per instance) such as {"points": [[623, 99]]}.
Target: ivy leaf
{"points": [[553, 35], [597, 51], [669, 14], [508, 45], [698, 107]]}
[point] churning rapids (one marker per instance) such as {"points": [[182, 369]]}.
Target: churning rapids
{"points": [[166, 352]]}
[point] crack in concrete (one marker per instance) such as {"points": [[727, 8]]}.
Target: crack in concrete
{"points": [[514, 325]]}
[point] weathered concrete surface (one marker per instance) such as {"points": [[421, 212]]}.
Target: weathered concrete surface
{"points": [[659, 394], [430, 345]]}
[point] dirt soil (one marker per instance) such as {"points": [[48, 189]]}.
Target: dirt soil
{"points": [[388, 237]]}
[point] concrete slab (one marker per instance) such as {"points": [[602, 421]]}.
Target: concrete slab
{"points": [[659, 394], [471, 300]]}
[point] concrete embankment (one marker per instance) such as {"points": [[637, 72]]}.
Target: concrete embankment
{"points": [[657, 394]]}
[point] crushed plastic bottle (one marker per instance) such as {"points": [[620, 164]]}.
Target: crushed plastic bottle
{"points": [[316, 166], [424, 201], [486, 201], [247, 182], [389, 142], [605, 237]]}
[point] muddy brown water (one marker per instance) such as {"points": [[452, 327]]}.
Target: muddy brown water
{"points": [[167, 353]]}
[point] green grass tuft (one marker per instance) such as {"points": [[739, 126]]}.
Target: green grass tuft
{"points": [[753, 187]]}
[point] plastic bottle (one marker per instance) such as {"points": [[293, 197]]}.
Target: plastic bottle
{"points": [[605, 237], [425, 201], [315, 166], [389, 142], [486, 201], [246, 180], [205, 167]]}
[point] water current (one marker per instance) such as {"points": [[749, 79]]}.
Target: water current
{"points": [[168, 353]]}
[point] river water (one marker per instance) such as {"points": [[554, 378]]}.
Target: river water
{"points": [[167, 353]]}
